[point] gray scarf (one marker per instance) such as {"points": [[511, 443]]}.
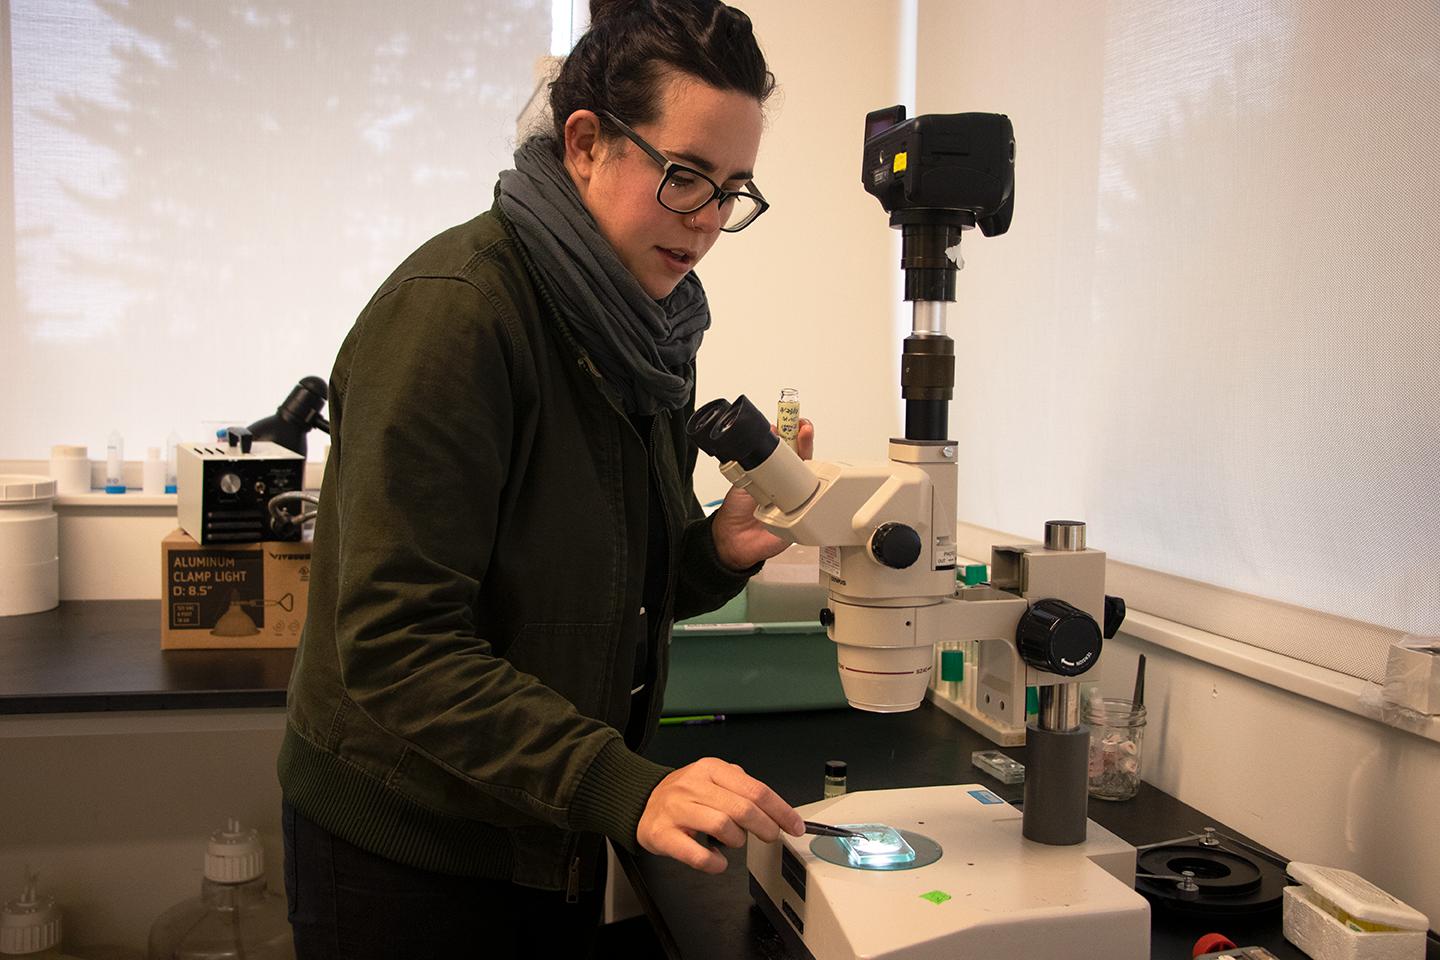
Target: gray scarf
{"points": [[644, 348]]}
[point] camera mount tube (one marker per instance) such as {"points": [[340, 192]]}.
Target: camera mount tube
{"points": [[927, 382], [928, 318], [925, 245]]}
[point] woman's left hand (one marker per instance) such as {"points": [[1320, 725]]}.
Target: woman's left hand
{"points": [[740, 540]]}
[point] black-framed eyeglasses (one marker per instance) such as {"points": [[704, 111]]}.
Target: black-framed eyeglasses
{"points": [[686, 190]]}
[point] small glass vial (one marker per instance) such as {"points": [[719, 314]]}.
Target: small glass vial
{"points": [[835, 773], [787, 415], [1117, 729]]}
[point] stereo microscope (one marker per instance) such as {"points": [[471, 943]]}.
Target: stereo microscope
{"points": [[952, 870]]}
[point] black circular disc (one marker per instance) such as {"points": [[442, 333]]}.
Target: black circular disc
{"points": [[1230, 883]]}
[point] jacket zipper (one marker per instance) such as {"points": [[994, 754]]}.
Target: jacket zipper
{"points": [[654, 706], [572, 884]]}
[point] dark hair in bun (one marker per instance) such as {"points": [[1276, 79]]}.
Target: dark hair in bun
{"points": [[619, 62]]}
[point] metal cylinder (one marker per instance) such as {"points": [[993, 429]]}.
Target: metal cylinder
{"points": [[1060, 707], [1065, 535], [927, 382], [928, 318], [1055, 794]]}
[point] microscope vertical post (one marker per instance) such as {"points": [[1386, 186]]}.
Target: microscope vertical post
{"points": [[1055, 786]]}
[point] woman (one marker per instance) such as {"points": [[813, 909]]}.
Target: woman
{"points": [[509, 527]]}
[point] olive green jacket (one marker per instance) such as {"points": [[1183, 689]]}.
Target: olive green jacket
{"points": [[475, 594]]}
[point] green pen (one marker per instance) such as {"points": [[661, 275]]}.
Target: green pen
{"points": [[693, 721]]}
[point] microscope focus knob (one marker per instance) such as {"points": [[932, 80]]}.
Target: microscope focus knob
{"points": [[895, 545], [1055, 636]]}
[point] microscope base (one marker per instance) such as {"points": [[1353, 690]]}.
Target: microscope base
{"points": [[991, 894]]}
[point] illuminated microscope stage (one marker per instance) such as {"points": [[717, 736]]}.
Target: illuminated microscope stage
{"points": [[991, 893]]}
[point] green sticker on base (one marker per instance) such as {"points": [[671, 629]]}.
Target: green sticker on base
{"points": [[935, 896]]}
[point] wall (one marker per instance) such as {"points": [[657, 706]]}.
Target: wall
{"points": [[807, 297]]}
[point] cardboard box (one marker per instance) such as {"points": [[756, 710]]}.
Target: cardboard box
{"points": [[232, 596]]}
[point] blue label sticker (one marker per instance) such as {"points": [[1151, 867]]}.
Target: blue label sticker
{"points": [[985, 796]]}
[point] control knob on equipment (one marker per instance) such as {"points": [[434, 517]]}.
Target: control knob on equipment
{"points": [[1114, 615], [1055, 636], [230, 482], [895, 545]]}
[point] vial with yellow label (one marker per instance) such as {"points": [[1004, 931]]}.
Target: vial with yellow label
{"points": [[787, 415]]}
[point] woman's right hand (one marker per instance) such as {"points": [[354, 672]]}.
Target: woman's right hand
{"points": [[717, 798]]}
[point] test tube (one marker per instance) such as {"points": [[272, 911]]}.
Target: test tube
{"points": [[171, 442], [952, 669], [972, 672], [115, 463]]}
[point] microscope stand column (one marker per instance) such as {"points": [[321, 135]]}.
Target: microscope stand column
{"points": [[1058, 750]]}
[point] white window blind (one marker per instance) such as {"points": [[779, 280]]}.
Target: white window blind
{"points": [[1212, 329], [205, 195]]}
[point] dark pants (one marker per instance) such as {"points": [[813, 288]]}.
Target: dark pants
{"points": [[346, 904]]}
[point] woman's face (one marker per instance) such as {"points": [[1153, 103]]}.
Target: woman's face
{"points": [[714, 131]]}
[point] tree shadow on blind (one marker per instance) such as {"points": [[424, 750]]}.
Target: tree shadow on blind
{"points": [[211, 180]]}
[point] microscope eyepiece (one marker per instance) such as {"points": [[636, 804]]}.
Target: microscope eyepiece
{"points": [[702, 421], [733, 431]]}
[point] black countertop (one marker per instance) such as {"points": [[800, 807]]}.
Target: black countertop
{"points": [[103, 655], [94, 655], [702, 917]]}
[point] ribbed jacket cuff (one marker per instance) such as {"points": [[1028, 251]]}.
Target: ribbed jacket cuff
{"points": [[613, 793]]}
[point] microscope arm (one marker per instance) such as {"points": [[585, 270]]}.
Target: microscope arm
{"points": [[841, 503]]}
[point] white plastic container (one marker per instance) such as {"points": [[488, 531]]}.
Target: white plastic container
{"points": [[1339, 915], [153, 473], [236, 916], [70, 468], [30, 926], [29, 545]]}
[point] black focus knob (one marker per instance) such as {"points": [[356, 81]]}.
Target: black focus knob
{"points": [[1055, 636], [827, 616], [1114, 615], [895, 545]]}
